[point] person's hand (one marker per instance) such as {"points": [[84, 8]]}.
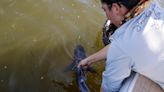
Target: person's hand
{"points": [[84, 63]]}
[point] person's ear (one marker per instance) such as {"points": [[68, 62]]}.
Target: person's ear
{"points": [[116, 8]]}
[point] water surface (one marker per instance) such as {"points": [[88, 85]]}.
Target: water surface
{"points": [[37, 38]]}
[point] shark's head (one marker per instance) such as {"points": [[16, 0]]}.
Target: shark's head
{"points": [[79, 53]]}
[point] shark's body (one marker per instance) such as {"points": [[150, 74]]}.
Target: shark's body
{"points": [[79, 54]]}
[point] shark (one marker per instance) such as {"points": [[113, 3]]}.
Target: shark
{"points": [[80, 72]]}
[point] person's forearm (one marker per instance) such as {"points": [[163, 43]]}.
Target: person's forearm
{"points": [[100, 55]]}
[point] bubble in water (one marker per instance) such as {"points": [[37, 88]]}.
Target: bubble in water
{"points": [[78, 17], [2, 80], [34, 40], [70, 83], [41, 77], [73, 5], [79, 37], [13, 26], [63, 9], [5, 67]]}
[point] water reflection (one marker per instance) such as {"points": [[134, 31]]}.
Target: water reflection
{"points": [[37, 38]]}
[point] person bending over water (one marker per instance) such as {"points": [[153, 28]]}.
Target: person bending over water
{"points": [[137, 43]]}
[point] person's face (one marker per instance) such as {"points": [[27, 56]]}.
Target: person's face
{"points": [[115, 14]]}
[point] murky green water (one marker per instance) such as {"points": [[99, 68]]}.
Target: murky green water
{"points": [[37, 38]]}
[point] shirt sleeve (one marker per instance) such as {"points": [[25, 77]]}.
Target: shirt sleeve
{"points": [[118, 67]]}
